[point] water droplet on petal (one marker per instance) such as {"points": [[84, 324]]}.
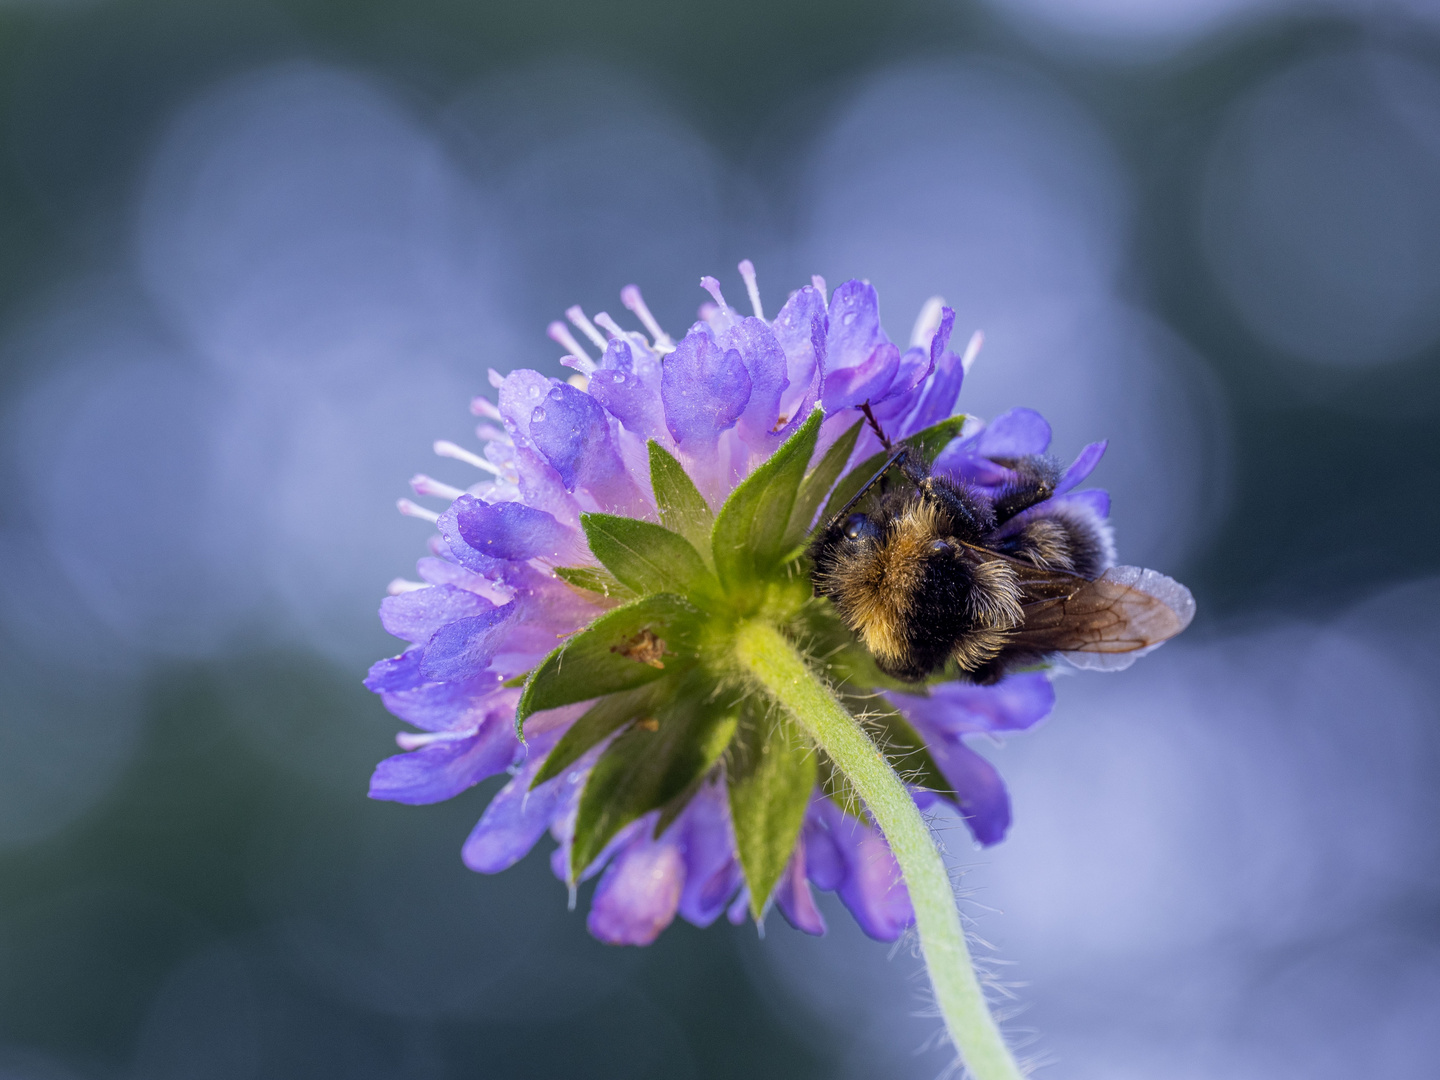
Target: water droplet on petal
{"points": [[848, 318], [538, 416]]}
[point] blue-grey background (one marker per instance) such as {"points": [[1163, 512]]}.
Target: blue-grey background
{"points": [[256, 257]]}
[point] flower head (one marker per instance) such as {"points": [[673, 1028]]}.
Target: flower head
{"points": [[585, 591]]}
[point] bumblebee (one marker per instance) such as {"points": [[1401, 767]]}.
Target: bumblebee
{"points": [[940, 573]]}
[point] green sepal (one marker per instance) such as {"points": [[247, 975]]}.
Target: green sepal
{"points": [[749, 534], [608, 714], [818, 483], [682, 508], [645, 769], [611, 655], [771, 772], [594, 579], [926, 444], [518, 680], [645, 557]]}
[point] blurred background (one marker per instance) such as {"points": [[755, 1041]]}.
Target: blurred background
{"points": [[256, 257]]}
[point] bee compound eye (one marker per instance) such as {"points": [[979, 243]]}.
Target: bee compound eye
{"points": [[942, 547], [858, 527]]}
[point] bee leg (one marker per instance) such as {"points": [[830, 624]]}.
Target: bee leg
{"points": [[970, 514], [1035, 480]]}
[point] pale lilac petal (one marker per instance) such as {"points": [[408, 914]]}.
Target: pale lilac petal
{"points": [[1014, 434], [739, 907], [462, 649], [794, 898], [705, 389], [415, 616], [446, 767], [824, 863], [913, 369], [852, 386], [1016, 703], [627, 398], [1083, 465], [639, 892], [859, 361]]}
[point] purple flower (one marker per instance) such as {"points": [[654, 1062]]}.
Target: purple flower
{"points": [[632, 759]]}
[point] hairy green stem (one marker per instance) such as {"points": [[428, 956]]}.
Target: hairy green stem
{"points": [[773, 662]]}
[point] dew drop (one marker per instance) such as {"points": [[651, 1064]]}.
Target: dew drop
{"points": [[538, 416]]}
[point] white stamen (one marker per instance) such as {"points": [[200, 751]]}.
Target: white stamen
{"points": [[631, 298], [576, 316], [579, 381], [819, 283], [747, 271], [496, 379], [410, 509], [710, 285], [560, 334], [404, 585], [616, 330], [413, 740], [445, 448], [480, 406], [428, 485], [972, 350], [927, 322], [582, 364], [490, 433]]}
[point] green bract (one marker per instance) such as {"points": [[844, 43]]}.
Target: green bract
{"points": [[660, 666]]}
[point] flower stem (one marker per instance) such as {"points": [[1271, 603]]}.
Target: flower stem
{"points": [[781, 670]]}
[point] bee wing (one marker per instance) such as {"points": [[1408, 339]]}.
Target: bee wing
{"points": [[1108, 623]]}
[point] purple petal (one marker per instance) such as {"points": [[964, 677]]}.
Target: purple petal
{"points": [[943, 389], [627, 398], [639, 893], [1014, 704], [1082, 466], [794, 898], [800, 323], [765, 363], [507, 530], [416, 615], [913, 369], [520, 392], [517, 816], [463, 649], [569, 427], [705, 389], [824, 863], [1014, 434], [871, 887], [707, 843], [435, 706], [445, 767], [980, 794], [850, 387]]}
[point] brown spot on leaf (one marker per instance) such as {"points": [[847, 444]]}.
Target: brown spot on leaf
{"points": [[648, 724], [644, 648]]}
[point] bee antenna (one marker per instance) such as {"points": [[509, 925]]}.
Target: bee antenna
{"points": [[875, 424], [897, 458]]}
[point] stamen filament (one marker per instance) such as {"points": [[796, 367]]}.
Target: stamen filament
{"points": [[415, 510], [927, 322], [576, 316], [747, 271], [710, 285], [446, 448], [819, 283], [480, 406], [972, 350], [404, 585], [428, 485], [782, 673], [559, 333], [631, 298]]}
